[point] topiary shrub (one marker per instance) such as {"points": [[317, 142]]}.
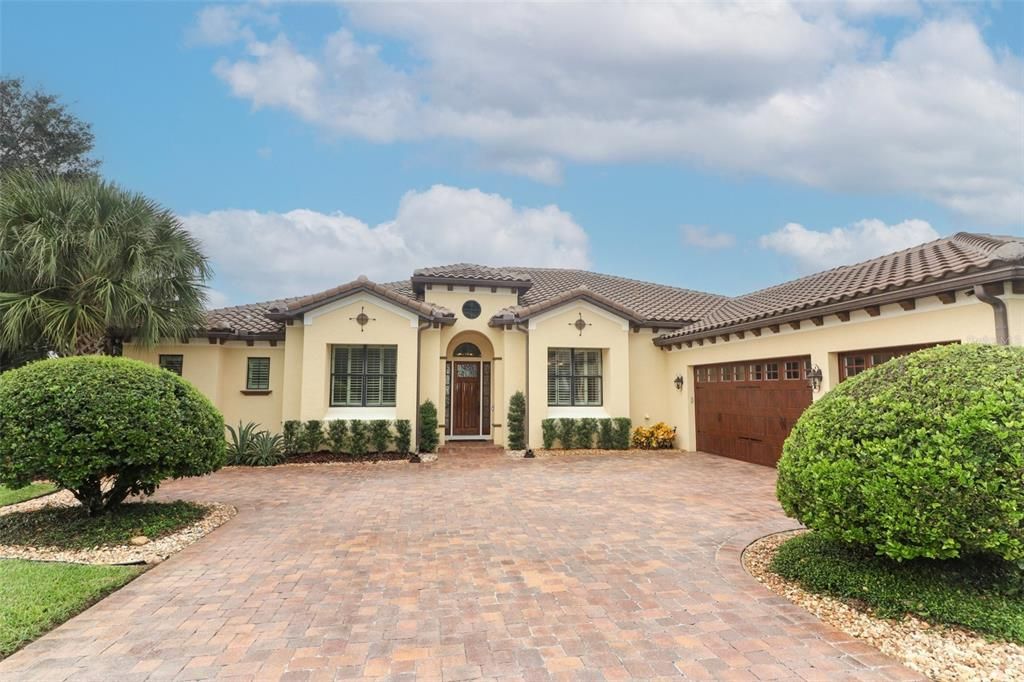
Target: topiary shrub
{"points": [[920, 457], [403, 436], [620, 434], [549, 432], [517, 421], [337, 435], [585, 430], [380, 435], [292, 434], [358, 441], [567, 433], [428, 426], [312, 435], [605, 434], [104, 428]]}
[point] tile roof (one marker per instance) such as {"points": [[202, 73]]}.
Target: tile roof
{"points": [[695, 311], [963, 253]]}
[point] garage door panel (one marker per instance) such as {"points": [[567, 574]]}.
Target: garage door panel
{"points": [[748, 418]]}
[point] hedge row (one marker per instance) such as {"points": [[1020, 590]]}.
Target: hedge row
{"points": [[355, 437], [582, 434]]}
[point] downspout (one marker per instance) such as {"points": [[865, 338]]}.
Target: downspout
{"points": [[999, 309], [419, 359], [526, 439]]}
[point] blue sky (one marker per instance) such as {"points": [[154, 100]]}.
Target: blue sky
{"points": [[707, 146]]}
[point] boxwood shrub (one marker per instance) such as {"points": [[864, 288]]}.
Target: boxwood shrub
{"points": [[920, 457], [83, 421], [549, 432]]}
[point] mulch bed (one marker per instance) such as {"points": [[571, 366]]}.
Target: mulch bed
{"points": [[940, 652], [325, 457]]}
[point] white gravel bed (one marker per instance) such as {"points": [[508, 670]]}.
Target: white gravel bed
{"points": [[151, 552], [940, 652]]}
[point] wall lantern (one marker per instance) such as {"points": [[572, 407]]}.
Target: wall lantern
{"points": [[814, 377], [679, 381]]}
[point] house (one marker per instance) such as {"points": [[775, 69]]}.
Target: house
{"points": [[731, 373]]}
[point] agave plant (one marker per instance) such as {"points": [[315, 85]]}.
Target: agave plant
{"points": [[267, 449], [240, 442]]}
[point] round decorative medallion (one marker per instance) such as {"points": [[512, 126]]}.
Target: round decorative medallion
{"points": [[471, 309]]}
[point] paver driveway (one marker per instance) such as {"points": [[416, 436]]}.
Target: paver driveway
{"points": [[590, 567]]}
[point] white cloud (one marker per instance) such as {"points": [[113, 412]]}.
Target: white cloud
{"points": [[269, 255], [703, 237], [814, 251], [790, 91], [226, 24]]}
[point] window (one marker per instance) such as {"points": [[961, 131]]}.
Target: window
{"points": [[771, 371], [172, 363], [792, 369], [738, 373], [467, 350], [471, 309], [756, 373], [257, 374], [725, 373], [364, 376], [574, 376]]}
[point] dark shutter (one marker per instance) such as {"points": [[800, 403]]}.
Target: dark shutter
{"points": [[485, 398]]}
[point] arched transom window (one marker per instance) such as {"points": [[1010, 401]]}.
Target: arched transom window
{"points": [[467, 350]]}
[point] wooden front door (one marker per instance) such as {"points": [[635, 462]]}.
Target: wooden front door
{"points": [[745, 410], [466, 399]]}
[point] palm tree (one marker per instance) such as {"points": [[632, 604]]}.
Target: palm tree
{"points": [[85, 264]]}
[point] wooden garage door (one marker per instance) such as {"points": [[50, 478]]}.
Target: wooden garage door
{"points": [[745, 410]]}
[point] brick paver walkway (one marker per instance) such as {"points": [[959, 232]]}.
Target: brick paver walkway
{"points": [[599, 567]]}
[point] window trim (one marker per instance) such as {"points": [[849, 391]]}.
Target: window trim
{"points": [[249, 387], [364, 375], [572, 376], [181, 362]]}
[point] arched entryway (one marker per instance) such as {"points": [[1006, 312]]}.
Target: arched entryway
{"points": [[468, 387]]}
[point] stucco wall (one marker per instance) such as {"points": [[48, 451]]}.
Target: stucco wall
{"points": [[650, 383], [966, 321], [555, 329], [333, 324], [219, 371]]}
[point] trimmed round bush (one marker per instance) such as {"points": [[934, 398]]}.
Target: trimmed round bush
{"points": [[104, 428], [920, 457]]}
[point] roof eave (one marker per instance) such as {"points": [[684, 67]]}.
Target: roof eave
{"points": [[919, 290], [418, 281]]}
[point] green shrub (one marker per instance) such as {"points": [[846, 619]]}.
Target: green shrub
{"points": [[292, 435], [358, 441], [983, 594], [621, 432], [380, 435], [403, 436], [77, 421], [428, 427], [517, 421], [240, 442], [549, 432], [920, 457], [312, 435], [267, 450], [585, 430], [567, 433], [605, 434], [337, 435]]}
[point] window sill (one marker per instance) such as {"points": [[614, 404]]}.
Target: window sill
{"points": [[246, 391], [577, 412]]}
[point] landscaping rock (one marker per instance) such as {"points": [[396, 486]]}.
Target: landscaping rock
{"points": [[139, 549], [940, 652]]}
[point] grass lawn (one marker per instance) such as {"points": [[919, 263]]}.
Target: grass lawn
{"points": [[986, 596], [35, 597], [70, 528], [8, 496]]}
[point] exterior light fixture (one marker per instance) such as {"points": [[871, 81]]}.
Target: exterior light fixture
{"points": [[679, 381], [814, 378], [529, 454]]}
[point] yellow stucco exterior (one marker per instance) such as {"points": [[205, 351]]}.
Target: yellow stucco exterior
{"points": [[637, 375]]}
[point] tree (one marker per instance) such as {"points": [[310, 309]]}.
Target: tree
{"points": [[517, 421], [39, 135], [85, 264], [104, 428]]}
